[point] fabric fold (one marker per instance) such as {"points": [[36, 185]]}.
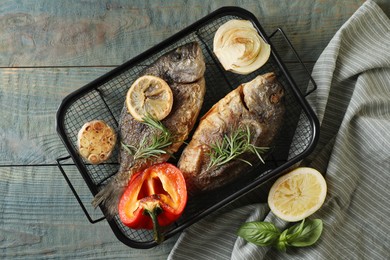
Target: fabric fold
{"points": [[352, 102]]}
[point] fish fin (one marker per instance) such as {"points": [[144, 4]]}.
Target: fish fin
{"points": [[109, 197]]}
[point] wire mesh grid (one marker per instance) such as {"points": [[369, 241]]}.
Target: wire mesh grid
{"points": [[105, 100]]}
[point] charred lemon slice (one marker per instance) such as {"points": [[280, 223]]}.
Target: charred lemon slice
{"points": [[149, 95], [96, 141], [298, 194]]}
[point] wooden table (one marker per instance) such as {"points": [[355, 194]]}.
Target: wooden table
{"points": [[49, 49]]}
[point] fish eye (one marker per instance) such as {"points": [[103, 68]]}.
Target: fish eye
{"points": [[274, 98], [177, 56]]}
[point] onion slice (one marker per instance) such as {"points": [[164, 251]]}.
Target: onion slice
{"points": [[239, 47]]}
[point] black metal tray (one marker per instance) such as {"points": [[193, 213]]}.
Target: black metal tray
{"points": [[104, 97]]}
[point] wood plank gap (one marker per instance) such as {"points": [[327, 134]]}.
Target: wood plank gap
{"points": [[35, 165], [59, 67]]}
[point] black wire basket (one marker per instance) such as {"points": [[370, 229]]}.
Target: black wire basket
{"points": [[104, 97]]}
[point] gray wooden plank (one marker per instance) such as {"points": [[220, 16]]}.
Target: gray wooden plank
{"points": [[88, 33], [40, 219], [29, 99]]}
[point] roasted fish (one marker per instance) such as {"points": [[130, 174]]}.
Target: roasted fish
{"points": [[257, 106], [183, 69]]}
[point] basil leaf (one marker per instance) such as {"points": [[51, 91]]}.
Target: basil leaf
{"points": [[311, 232], [295, 231], [282, 244], [259, 233]]}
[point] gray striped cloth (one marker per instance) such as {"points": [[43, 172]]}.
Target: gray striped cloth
{"points": [[353, 105]]}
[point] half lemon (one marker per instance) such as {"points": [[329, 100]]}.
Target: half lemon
{"points": [[149, 95], [298, 194]]}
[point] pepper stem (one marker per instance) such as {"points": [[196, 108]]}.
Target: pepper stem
{"points": [[153, 213]]}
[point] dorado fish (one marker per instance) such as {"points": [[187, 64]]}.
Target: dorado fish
{"points": [[183, 69], [248, 117]]}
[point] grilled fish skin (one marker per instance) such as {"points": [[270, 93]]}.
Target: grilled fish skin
{"points": [[257, 104], [183, 69]]}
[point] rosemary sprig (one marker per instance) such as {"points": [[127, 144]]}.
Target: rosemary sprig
{"points": [[232, 146], [160, 140]]}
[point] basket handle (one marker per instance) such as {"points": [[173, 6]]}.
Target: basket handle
{"points": [[280, 30], [93, 221]]}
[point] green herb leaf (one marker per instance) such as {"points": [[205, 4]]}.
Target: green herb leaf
{"points": [[295, 231], [281, 243], [302, 234], [311, 232], [161, 139], [259, 233], [232, 146]]}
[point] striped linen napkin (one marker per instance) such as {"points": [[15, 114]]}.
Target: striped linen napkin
{"points": [[353, 105]]}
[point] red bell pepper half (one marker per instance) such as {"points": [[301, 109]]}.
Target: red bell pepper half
{"points": [[154, 197]]}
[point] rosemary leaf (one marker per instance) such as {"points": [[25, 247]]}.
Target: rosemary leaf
{"points": [[232, 146], [161, 139]]}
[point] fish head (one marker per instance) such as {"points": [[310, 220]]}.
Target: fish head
{"points": [[263, 95], [273, 89], [185, 64]]}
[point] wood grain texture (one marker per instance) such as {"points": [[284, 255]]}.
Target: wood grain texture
{"points": [[89, 33], [29, 99], [49, 49], [40, 219]]}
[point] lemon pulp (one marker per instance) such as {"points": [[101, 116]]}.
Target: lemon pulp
{"points": [[149, 95], [297, 194]]}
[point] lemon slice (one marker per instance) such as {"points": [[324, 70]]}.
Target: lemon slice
{"points": [[149, 95], [96, 141], [298, 194]]}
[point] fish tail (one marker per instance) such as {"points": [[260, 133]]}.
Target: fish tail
{"points": [[110, 194]]}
